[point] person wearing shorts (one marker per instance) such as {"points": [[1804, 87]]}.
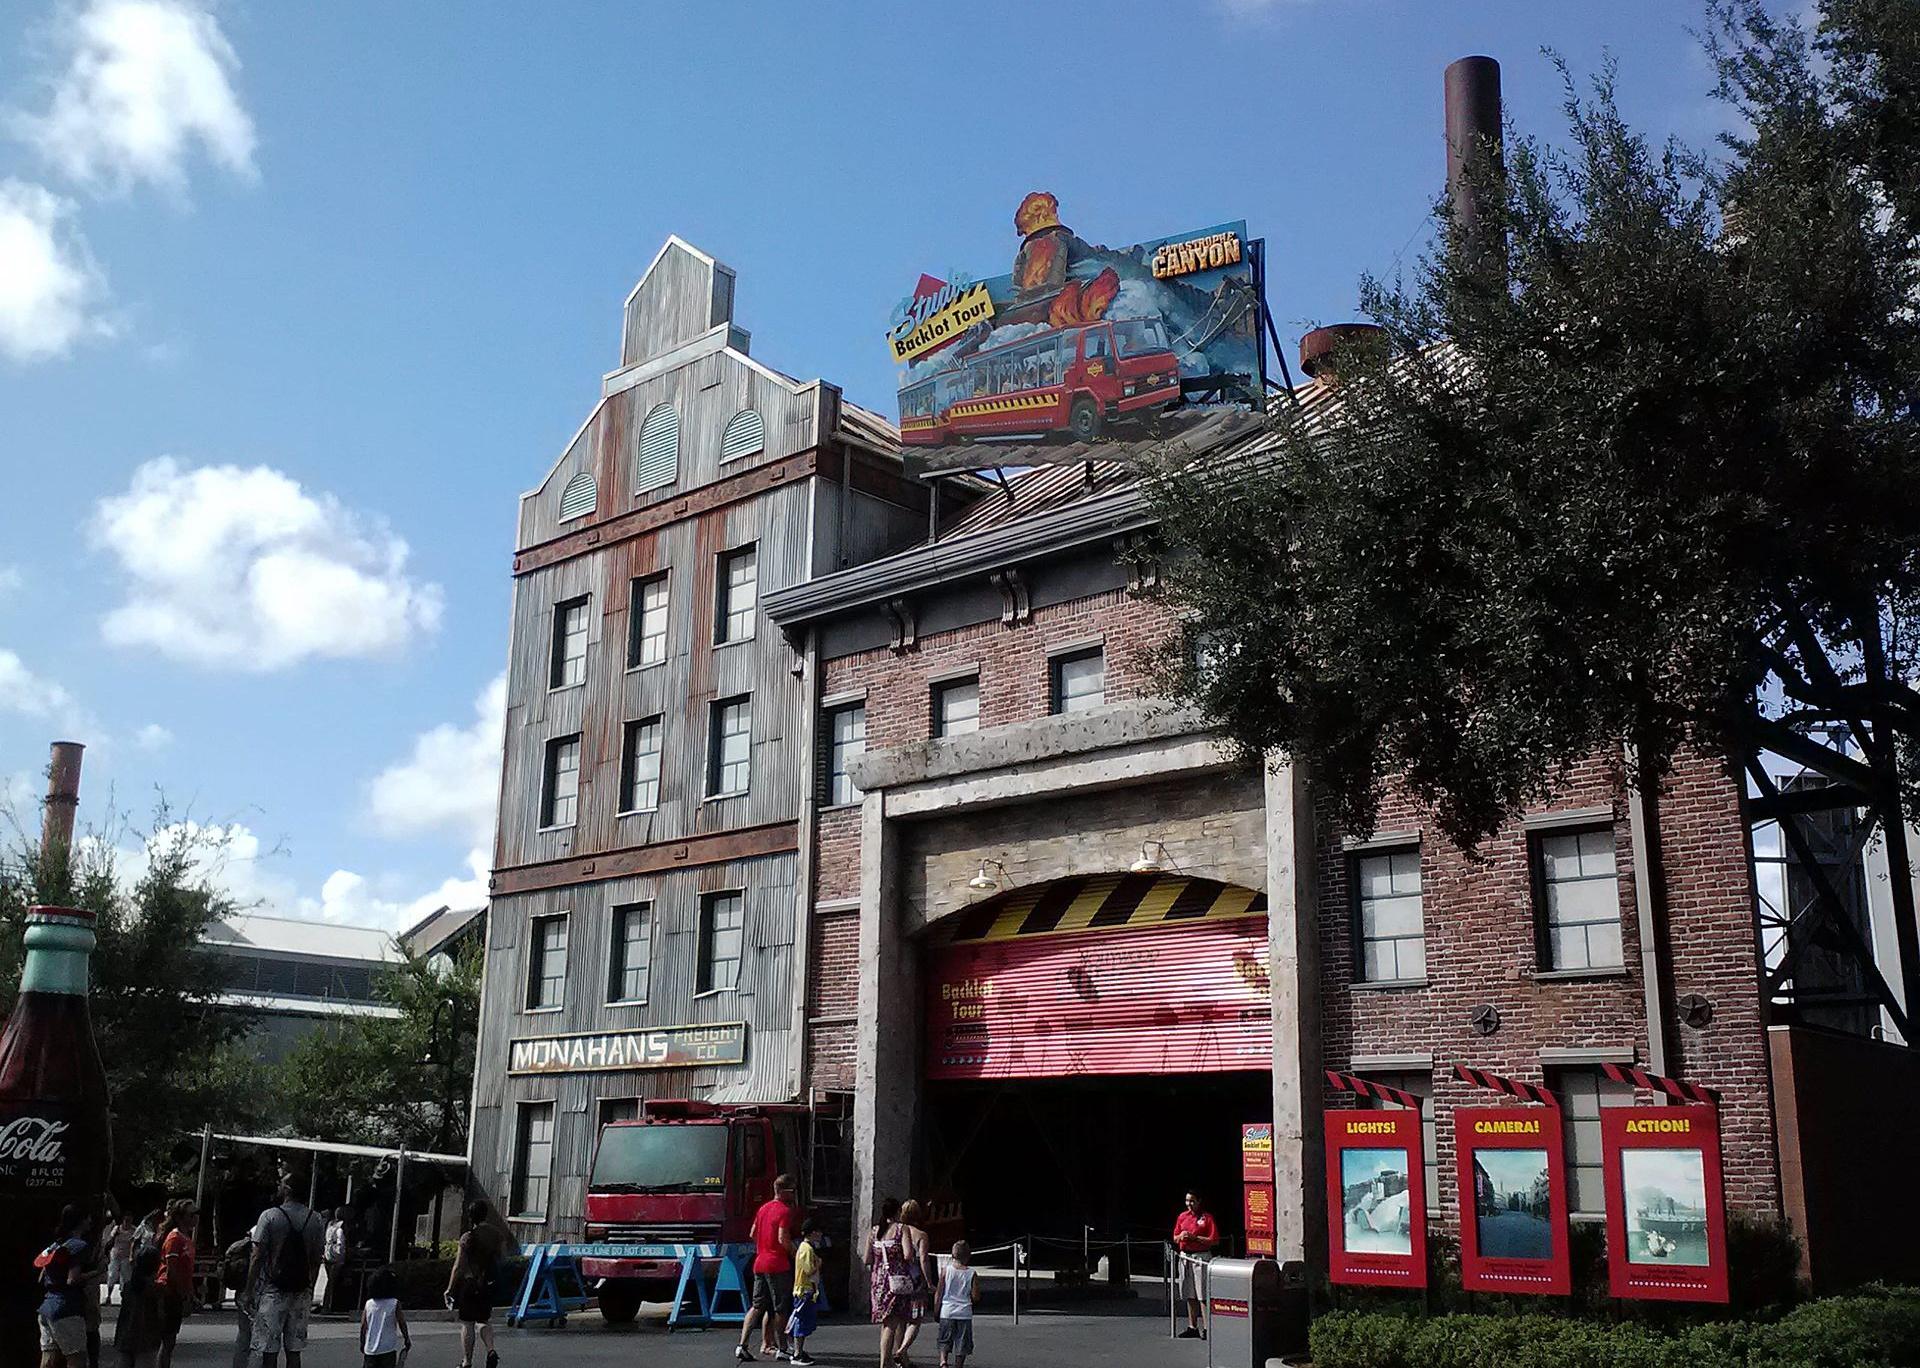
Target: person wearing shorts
{"points": [[774, 1226], [287, 1242], [1194, 1235], [959, 1294]]}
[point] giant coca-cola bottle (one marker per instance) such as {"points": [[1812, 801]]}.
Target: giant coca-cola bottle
{"points": [[55, 1146]]}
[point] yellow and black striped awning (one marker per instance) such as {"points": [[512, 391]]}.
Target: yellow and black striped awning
{"points": [[1101, 902]]}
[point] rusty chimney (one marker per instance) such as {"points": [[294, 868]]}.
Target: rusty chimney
{"points": [[63, 797], [1321, 346], [1473, 133]]}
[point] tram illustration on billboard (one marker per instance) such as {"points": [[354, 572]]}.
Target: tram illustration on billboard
{"points": [[1080, 342]]}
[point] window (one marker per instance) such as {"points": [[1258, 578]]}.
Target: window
{"points": [[846, 738], [579, 496], [723, 936], [1579, 898], [631, 962], [729, 749], [640, 766], [1420, 1084], [659, 461], [647, 622], [956, 707], [1389, 934], [619, 1109], [1079, 680], [744, 435], [738, 595], [532, 1160], [569, 665], [547, 963], [560, 790], [1583, 1092]]}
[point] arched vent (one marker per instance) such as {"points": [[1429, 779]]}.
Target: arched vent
{"points": [[659, 462], [579, 497], [745, 435]]}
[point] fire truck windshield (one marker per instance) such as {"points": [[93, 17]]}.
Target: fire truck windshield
{"points": [[661, 1159], [1139, 335]]}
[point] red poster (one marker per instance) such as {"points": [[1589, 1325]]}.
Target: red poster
{"points": [[1258, 1209], [1256, 1152], [1376, 1198], [1666, 1214], [1513, 1200]]}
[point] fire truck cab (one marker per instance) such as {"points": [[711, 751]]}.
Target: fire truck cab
{"points": [[683, 1173]]}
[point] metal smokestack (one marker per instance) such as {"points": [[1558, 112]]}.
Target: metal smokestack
{"points": [[63, 798], [1473, 135]]}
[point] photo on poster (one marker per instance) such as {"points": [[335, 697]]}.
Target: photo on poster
{"points": [[1375, 1201], [1512, 1204], [1666, 1192]]}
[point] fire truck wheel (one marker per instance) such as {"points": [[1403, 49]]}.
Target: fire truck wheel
{"points": [[1084, 419], [619, 1302]]}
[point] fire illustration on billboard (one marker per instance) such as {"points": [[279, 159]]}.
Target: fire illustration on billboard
{"points": [[1079, 342]]}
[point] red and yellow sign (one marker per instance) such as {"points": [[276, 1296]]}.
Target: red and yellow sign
{"points": [[1513, 1200], [1376, 1198], [1666, 1212]]}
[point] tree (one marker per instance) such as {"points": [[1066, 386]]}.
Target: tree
{"points": [[399, 1082], [1639, 462], [169, 1048]]}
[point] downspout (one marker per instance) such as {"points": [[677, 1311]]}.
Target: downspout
{"points": [[803, 881], [1643, 824]]}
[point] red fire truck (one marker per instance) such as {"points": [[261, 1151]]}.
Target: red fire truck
{"points": [[684, 1173], [1069, 380]]}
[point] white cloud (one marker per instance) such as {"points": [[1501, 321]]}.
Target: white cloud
{"points": [[51, 293], [34, 696], [243, 568], [451, 780], [153, 737], [144, 82], [352, 899]]}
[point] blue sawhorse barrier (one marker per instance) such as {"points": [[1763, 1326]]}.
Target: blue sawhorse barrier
{"points": [[725, 1302], [552, 1288]]}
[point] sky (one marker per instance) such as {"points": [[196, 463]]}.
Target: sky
{"points": [[296, 300]]}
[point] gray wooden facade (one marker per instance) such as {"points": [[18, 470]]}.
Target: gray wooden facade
{"points": [[680, 348]]}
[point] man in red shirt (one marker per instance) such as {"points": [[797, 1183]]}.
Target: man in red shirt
{"points": [[774, 1225], [1194, 1235]]}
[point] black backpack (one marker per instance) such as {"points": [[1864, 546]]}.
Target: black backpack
{"points": [[288, 1269]]}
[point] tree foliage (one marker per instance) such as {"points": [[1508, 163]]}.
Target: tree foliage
{"points": [[398, 1081], [1638, 463], [170, 1052]]}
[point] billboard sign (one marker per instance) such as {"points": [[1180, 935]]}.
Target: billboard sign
{"points": [[1666, 1214], [1513, 1200], [1079, 342], [658, 1047], [1376, 1198], [1256, 1187]]}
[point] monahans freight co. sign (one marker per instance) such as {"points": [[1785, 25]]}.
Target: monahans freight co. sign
{"points": [[663, 1047]]}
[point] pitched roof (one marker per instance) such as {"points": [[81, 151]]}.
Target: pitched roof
{"points": [[250, 931]]}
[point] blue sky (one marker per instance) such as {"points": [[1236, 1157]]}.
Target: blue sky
{"points": [[296, 300]]}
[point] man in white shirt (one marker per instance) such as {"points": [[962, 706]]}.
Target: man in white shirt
{"points": [[288, 1241]]}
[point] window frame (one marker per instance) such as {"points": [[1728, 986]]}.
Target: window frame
{"points": [[1057, 662], [831, 752], [628, 757], [938, 692], [1556, 1076], [1545, 964], [716, 740], [523, 1112], [557, 659], [1356, 909], [549, 780], [705, 935], [537, 951], [636, 614], [617, 966], [1410, 1079], [723, 609]]}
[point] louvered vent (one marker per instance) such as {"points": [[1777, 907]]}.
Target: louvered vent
{"points": [[659, 450], [745, 435], [578, 498]]}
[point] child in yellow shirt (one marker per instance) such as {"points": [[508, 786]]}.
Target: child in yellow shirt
{"points": [[806, 1291]]}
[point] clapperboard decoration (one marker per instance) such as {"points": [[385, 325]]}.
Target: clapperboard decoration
{"points": [[1366, 1087], [1511, 1170], [1666, 1205], [1660, 1083], [1376, 1187]]}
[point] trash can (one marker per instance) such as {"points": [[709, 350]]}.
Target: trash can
{"points": [[1252, 1312]]}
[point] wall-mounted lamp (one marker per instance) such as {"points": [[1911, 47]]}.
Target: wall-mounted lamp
{"points": [[1153, 858], [984, 882]]}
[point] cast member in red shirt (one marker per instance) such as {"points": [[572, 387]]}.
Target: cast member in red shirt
{"points": [[1194, 1235], [775, 1227]]}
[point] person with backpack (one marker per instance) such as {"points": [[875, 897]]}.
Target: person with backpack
{"points": [[62, 1270], [288, 1241]]}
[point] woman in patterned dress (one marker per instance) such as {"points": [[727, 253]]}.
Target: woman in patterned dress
{"points": [[896, 1286]]}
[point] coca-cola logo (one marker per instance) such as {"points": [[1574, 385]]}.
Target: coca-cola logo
{"points": [[33, 1138]]}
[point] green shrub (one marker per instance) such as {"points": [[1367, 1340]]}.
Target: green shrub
{"points": [[1878, 1328]]}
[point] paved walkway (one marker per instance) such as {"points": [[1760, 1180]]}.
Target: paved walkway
{"points": [[1125, 1336]]}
